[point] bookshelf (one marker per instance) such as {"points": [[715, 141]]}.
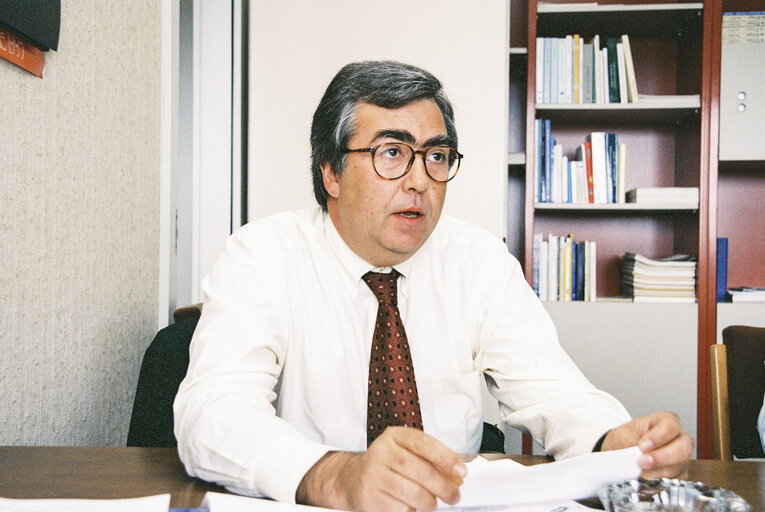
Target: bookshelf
{"points": [[671, 141]]}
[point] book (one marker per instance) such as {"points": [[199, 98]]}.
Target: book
{"points": [[539, 83], [585, 154], [622, 73], [597, 71], [587, 74], [621, 192], [590, 282], [23, 54], [580, 273], [612, 70], [565, 71], [722, 269], [599, 170], [671, 279], [535, 262], [576, 79], [632, 91], [687, 196], [747, 294], [543, 270], [612, 165], [552, 260]]}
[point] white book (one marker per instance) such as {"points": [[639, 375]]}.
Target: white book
{"points": [[622, 73], [622, 172], [557, 190], [552, 261], [554, 66], [604, 74], [581, 70], [564, 71], [564, 178], [597, 86], [543, 270], [599, 167], [629, 65], [573, 185], [540, 66]]}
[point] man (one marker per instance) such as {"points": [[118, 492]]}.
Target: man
{"points": [[290, 312]]}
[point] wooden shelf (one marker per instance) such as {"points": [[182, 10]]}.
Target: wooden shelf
{"points": [[615, 207], [651, 111], [658, 20]]}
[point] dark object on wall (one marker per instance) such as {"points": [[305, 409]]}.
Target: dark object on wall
{"points": [[35, 21]]}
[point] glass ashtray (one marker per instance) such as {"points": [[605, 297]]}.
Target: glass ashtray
{"points": [[667, 495]]}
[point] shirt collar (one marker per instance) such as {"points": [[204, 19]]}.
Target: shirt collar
{"points": [[353, 266]]}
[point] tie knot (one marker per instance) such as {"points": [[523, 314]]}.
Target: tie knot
{"points": [[383, 286]]}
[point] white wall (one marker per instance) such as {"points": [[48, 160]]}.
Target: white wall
{"points": [[79, 203], [296, 47]]}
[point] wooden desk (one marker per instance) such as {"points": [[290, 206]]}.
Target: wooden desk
{"points": [[116, 472]]}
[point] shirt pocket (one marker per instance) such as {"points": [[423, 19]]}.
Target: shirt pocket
{"points": [[455, 408]]}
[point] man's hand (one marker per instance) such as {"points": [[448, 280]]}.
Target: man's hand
{"points": [[665, 445], [403, 469]]}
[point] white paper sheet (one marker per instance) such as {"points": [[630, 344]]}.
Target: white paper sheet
{"points": [[505, 482], [159, 503]]}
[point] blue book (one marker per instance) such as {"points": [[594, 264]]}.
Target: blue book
{"points": [[612, 166], [722, 269]]}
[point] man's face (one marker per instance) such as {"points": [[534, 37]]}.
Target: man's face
{"points": [[386, 221]]}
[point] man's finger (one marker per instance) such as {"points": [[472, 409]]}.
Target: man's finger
{"points": [[432, 450]]}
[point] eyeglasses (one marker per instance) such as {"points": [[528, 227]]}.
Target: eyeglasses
{"points": [[392, 160]]}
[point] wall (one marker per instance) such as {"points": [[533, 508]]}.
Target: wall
{"points": [[79, 207]]}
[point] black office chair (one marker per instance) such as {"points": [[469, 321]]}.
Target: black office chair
{"points": [[163, 368]]}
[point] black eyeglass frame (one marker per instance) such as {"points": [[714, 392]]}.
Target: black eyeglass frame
{"points": [[458, 156]]}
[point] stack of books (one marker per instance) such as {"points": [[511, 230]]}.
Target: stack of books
{"points": [[564, 269], [570, 70], [671, 279], [747, 294], [597, 175], [680, 196]]}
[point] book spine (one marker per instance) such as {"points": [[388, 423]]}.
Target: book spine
{"points": [[548, 162], [599, 175], [613, 71], [612, 164], [587, 74], [622, 173], [622, 73], [576, 79], [555, 43], [543, 269], [535, 261], [566, 70], [592, 264], [580, 264], [547, 68], [540, 65], [552, 261], [21, 53], [722, 269], [540, 159], [632, 91]]}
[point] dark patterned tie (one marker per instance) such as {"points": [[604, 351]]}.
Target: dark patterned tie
{"points": [[392, 390]]}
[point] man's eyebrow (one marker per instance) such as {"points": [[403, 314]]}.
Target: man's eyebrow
{"points": [[405, 136], [402, 135]]}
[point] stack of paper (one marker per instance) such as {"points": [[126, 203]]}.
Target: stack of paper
{"points": [[671, 279], [686, 196], [747, 294]]}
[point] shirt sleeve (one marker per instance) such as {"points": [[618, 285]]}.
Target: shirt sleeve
{"points": [[539, 388], [225, 420]]}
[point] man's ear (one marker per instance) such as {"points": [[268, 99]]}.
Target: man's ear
{"points": [[330, 180]]}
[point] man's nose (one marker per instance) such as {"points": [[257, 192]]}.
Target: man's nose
{"points": [[417, 178]]}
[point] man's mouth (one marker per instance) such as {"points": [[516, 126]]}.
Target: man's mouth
{"points": [[410, 214]]}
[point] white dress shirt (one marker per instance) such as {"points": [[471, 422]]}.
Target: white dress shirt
{"points": [[279, 359]]}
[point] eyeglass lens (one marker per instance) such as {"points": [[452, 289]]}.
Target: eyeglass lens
{"points": [[392, 159]]}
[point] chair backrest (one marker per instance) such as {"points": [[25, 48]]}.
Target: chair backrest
{"points": [[163, 368], [744, 355]]}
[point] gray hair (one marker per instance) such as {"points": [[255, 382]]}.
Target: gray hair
{"points": [[385, 84]]}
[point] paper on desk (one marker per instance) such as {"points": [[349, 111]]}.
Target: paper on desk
{"points": [[505, 482], [159, 503], [217, 502]]}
